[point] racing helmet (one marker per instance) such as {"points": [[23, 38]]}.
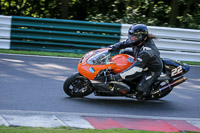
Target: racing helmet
{"points": [[137, 34]]}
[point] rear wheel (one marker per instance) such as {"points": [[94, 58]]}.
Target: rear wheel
{"points": [[77, 86]]}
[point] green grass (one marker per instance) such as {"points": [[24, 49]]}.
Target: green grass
{"points": [[191, 63], [4, 129], [61, 54]]}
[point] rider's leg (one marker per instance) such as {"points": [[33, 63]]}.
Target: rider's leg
{"points": [[143, 87]]}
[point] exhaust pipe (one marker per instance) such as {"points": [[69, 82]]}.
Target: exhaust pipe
{"points": [[171, 85]]}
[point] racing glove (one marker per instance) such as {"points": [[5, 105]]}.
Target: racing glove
{"points": [[112, 48]]}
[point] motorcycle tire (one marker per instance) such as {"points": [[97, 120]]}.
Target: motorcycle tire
{"points": [[77, 86]]}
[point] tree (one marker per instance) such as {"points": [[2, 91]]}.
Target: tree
{"points": [[65, 9], [188, 4], [179, 13], [174, 12], [150, 8]]}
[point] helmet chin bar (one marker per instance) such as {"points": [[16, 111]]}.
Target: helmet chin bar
{"points": [[137, 42], [133, 42]]}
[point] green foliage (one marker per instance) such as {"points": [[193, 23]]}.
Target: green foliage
{"points": [[41, 8], [184, 14]]}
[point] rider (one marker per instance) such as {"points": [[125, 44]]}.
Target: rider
{"points": [[148, 63]]}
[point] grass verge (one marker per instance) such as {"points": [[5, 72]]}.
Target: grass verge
{"points": [[4, 129], [61, 54]]}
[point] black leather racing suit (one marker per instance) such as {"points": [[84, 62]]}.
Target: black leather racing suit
{"points": [[148, 64]]}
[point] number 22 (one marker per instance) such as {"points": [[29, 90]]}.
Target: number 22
{"points": [[176, 71]]}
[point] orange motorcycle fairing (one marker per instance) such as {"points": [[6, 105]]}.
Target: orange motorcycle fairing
{"points": [[95, 61], [122, 62]]}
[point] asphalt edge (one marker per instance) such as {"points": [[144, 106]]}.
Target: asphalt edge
{"points": [[68, 119]]}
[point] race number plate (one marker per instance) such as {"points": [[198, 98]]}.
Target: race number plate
{"points": [[176, 71]]}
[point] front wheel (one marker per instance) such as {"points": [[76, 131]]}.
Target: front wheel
{"points": [[77, 86]]}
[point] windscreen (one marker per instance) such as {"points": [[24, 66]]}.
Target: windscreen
{"points": [[100, 58]]}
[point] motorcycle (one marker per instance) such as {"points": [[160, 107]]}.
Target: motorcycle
{"points": [[97, 64]]}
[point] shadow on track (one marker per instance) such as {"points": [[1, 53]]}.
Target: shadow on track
{"points": [[125, 105]]}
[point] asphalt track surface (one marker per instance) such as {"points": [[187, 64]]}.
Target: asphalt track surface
{"points": [[34, 83]]}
